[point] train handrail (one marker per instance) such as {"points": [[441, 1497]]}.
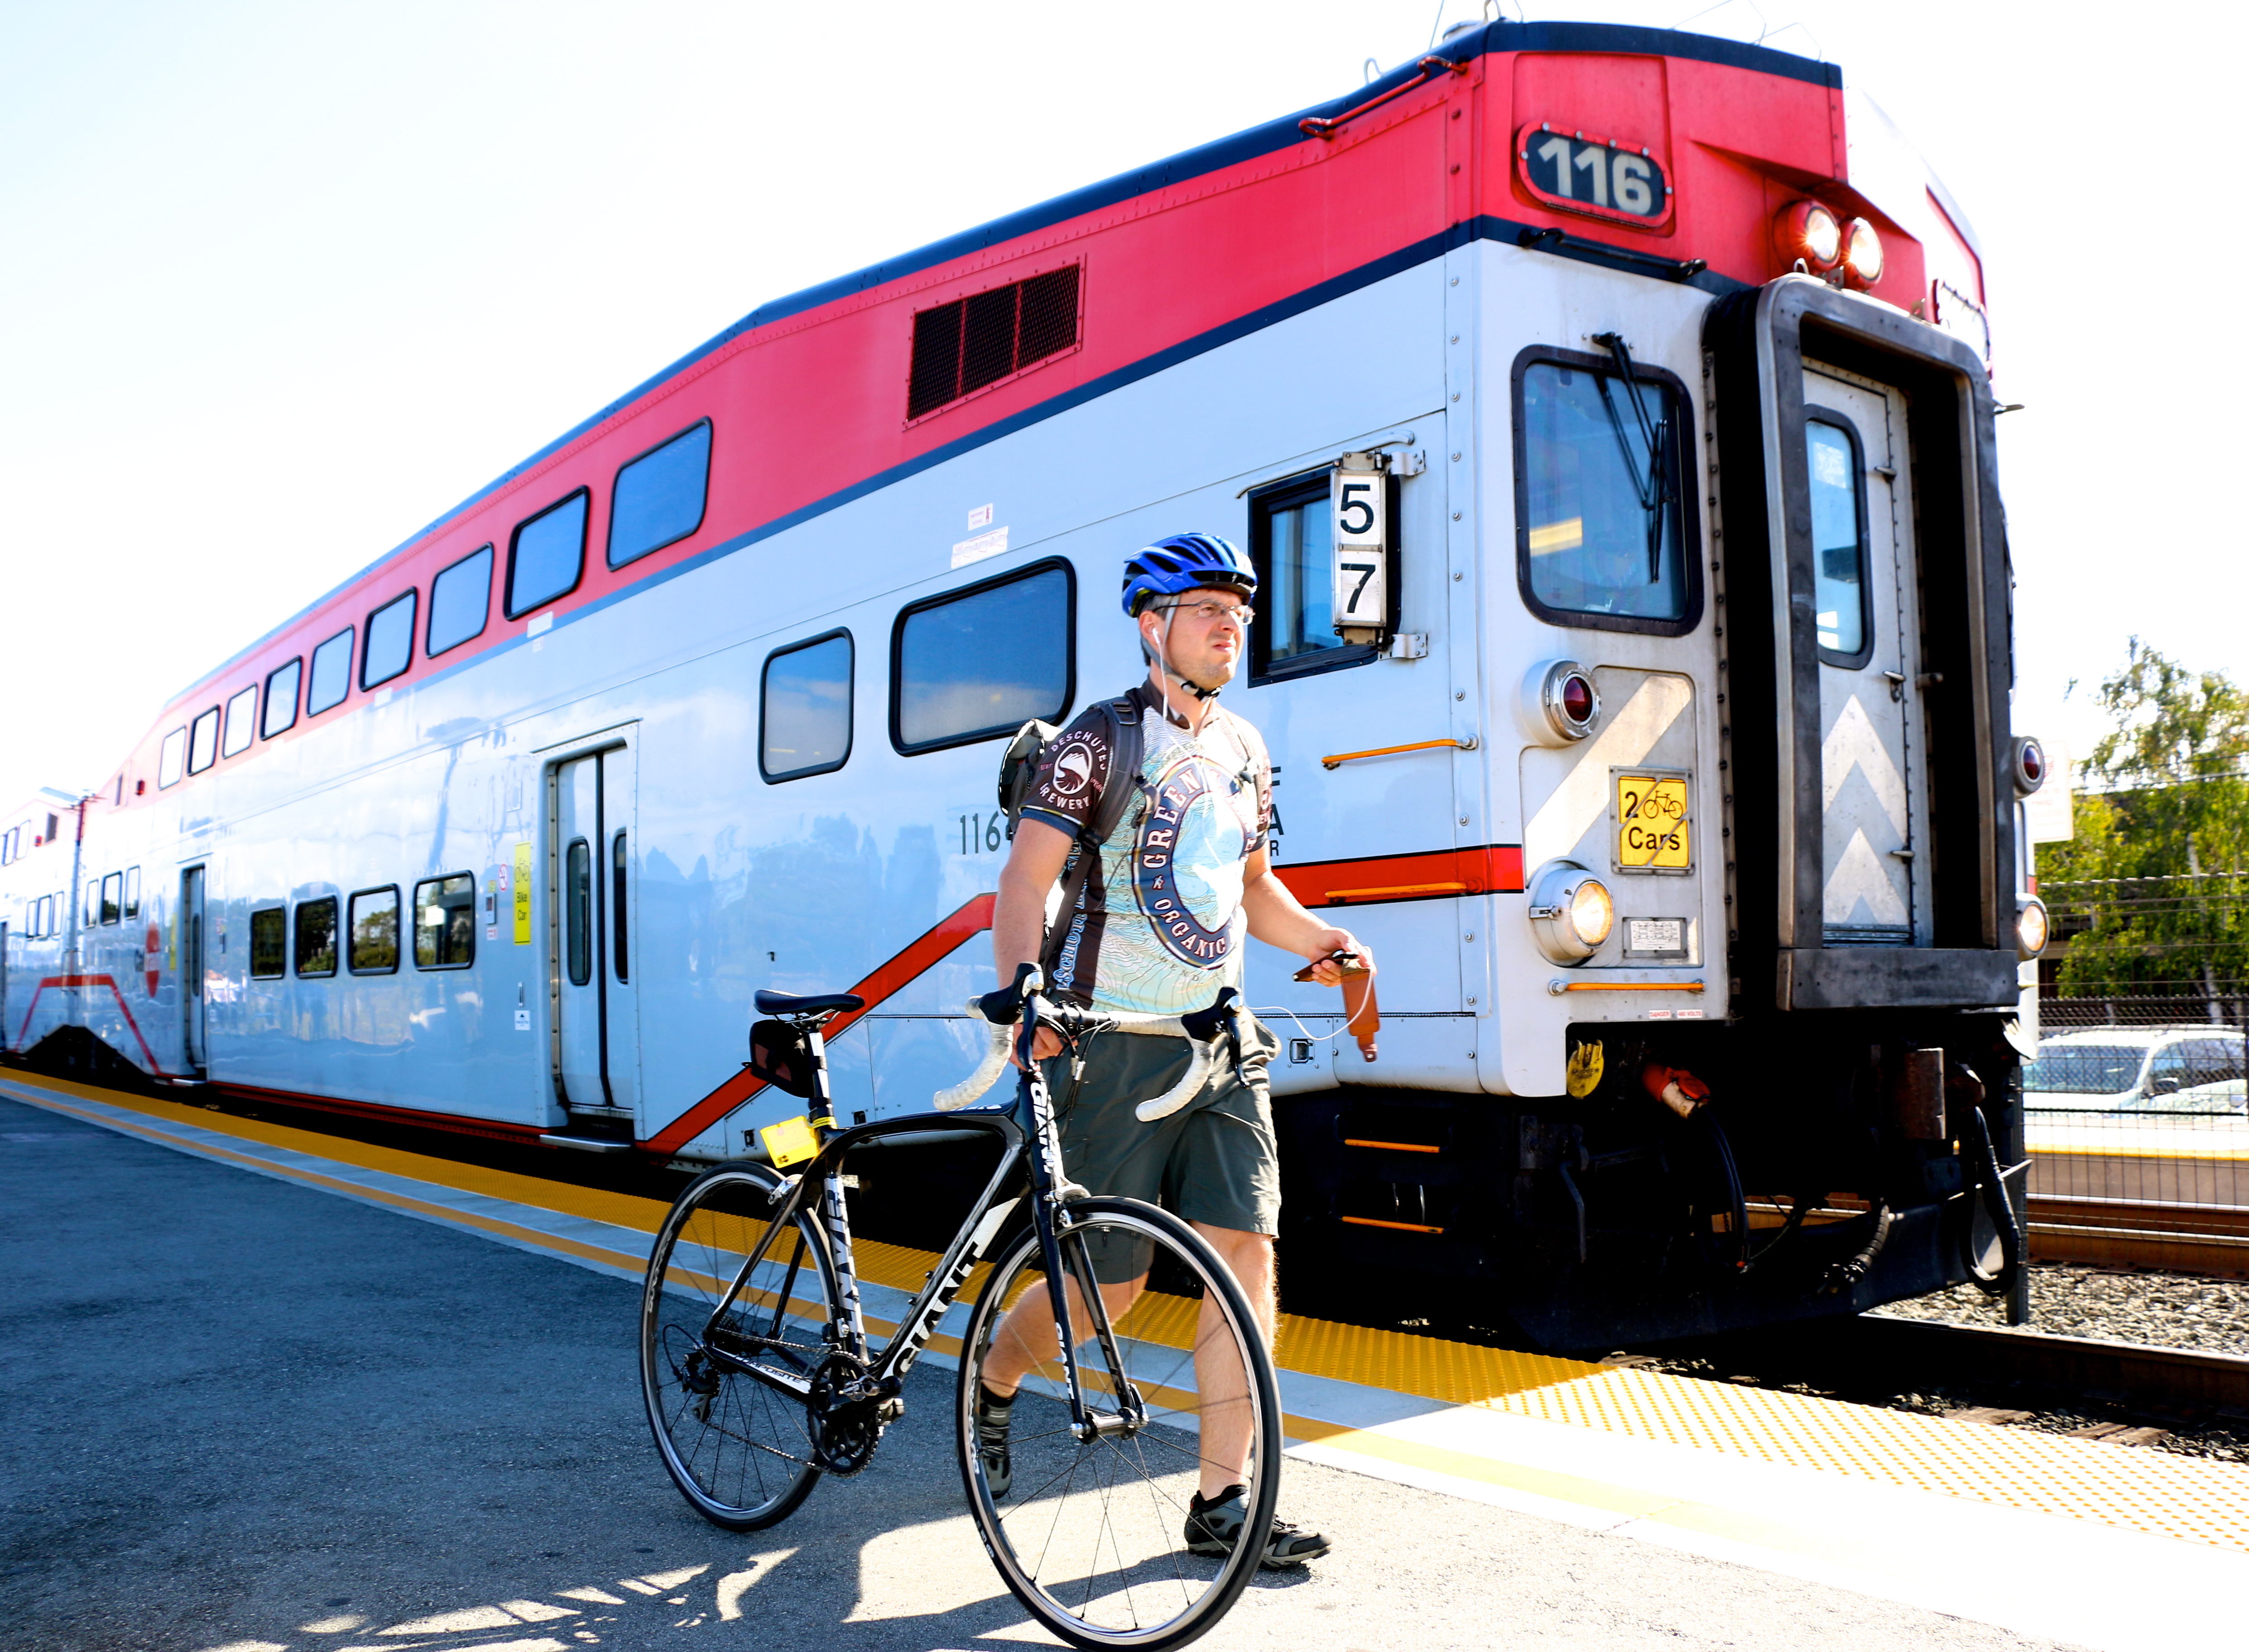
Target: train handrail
{"points": [[1337, 758]]}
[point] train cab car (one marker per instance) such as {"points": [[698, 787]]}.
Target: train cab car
{"points": [[1607, 413]]}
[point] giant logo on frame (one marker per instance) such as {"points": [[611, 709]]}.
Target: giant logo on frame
{"points": [[1187, 861]]}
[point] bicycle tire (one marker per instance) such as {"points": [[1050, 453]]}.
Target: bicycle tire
{"points": [[1091, 1536], [739, 1451]]}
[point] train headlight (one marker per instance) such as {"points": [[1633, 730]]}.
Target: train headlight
{"points": [[1808, 230], [1862, 254], [1568, 699], [1571, 912], [2030, 926], [2030, 765]]}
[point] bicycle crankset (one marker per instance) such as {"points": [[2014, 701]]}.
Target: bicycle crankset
{"points": [[844, 1431]]}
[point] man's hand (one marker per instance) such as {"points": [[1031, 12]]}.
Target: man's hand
{"points": [[1045, 1045], [1320, 947]]}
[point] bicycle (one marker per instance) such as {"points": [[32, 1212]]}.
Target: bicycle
{"points": [[759, 1377]]}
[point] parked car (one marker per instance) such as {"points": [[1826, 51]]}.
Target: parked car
{"points": [[2168, 1070]]}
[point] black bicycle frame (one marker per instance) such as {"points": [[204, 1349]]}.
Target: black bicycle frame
{"points": [[1049, 1214]]}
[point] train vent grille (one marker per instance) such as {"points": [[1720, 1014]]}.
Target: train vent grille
{"points": [[964, 346]]}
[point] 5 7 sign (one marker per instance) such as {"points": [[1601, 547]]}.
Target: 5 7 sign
{"points": [[1361, 498]]}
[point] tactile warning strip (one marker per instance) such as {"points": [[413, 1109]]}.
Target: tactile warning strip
{"points": [[2153, 1492]]}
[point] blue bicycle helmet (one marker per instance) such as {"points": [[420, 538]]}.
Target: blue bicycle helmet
{"points": [[1184, 562]]}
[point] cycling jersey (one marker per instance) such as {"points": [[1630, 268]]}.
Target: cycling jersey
{"points": [[1158, 925]]}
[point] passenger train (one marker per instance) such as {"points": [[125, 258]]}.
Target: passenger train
{"points": [[1608, 413]]}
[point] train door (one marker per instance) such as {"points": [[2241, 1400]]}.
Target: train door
{"points": [[192, 997], [591, 932], [1873, 748]]}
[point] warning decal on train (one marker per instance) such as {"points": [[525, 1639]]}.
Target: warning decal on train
{"points": [[1652, 830]]}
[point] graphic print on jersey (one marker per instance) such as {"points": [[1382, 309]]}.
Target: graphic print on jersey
{"points": [[1201, 808], [1187, 857]]}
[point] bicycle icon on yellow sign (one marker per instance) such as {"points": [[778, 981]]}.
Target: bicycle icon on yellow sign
{"points": [[1652, 830]]}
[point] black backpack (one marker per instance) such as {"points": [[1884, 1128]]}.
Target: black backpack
{"points": [[1019, 768]]}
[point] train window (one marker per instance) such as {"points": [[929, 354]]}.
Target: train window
{"points": [[460, 598], [374, 932], [981, 662], [203, 741], [281, 699], [241, 722], [331, 674], [980, 339], [113, 898], [316, 936], [1601, 536], [1839, 538], [389, 642], [42, 925], [546, 555], [578, 897], [92, 903], [269, 943], [660, 495], [1292, 545], [132, 892], [617, 902], [804, 714], [445, 922]]}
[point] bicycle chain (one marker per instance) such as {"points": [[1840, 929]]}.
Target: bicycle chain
{"points": [[844, 1432]]}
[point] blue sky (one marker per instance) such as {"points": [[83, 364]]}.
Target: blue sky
{"points": [[283, 282]]}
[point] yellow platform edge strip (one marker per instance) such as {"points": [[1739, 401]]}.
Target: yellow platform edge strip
{"points": [[2156, 1492]]}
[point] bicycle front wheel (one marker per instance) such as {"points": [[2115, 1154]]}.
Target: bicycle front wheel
{"points": [[738, 1449], [1088, 1526]]}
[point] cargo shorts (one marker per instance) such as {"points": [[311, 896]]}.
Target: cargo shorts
{"points": [[1216, 1160]]}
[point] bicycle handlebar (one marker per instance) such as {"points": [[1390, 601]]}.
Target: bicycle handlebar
{"points": [[1201, 1028]]}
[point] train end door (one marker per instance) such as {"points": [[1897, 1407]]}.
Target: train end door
{"points": [[591, 845], [1867, 656]]}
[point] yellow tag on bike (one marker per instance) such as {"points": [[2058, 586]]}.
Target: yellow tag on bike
{"points": [[790, 1142]]}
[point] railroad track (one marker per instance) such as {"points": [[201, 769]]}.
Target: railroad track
{"points": [[2129, 1233], [1935, 1350]]}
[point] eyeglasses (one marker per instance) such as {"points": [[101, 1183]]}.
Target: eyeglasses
{"points": [[1210, 613]]}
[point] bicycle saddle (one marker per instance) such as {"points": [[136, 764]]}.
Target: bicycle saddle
{"points": [[773, 1003]]}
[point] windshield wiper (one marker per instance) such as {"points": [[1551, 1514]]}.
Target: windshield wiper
{"points": [[1654, 486]]}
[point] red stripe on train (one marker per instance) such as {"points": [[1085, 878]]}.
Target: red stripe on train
{"points": [[926, 953], [1495, 869], [23, 1032]]}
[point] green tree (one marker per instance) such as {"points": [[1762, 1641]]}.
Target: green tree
{"points": [[2151, 895]]}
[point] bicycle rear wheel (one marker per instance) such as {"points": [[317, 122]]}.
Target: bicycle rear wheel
{"points": [[739, 1449], [1091, 1534]]}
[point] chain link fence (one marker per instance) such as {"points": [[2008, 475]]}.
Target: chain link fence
{"points": [[2136, 1116]]}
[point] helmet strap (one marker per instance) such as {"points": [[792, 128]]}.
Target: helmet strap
{"points": [[1168, 673]]}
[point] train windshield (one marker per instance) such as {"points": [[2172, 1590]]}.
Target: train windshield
{"points": [[2084, 1070], [1602, 517]]}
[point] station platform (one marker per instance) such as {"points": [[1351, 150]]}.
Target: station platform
{"points": [[1869, 1527]]}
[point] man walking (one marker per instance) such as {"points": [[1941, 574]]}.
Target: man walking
{"points": [[1157, 928]]}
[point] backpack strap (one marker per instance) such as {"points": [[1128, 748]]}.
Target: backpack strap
{"points": [[1127, 746]]}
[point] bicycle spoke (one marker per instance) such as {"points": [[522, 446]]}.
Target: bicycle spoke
{"points": [[737, 1449], [1092, 1535]]}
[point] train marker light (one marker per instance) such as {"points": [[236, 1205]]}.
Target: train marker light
{"points": [[1808, 230], [1571, 911], [2030, 765], [2030, 926], [1568, 700], [1862, 254]]}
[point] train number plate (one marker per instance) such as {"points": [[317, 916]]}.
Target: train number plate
{"points": [[1652, 833], [1601, 176]]}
